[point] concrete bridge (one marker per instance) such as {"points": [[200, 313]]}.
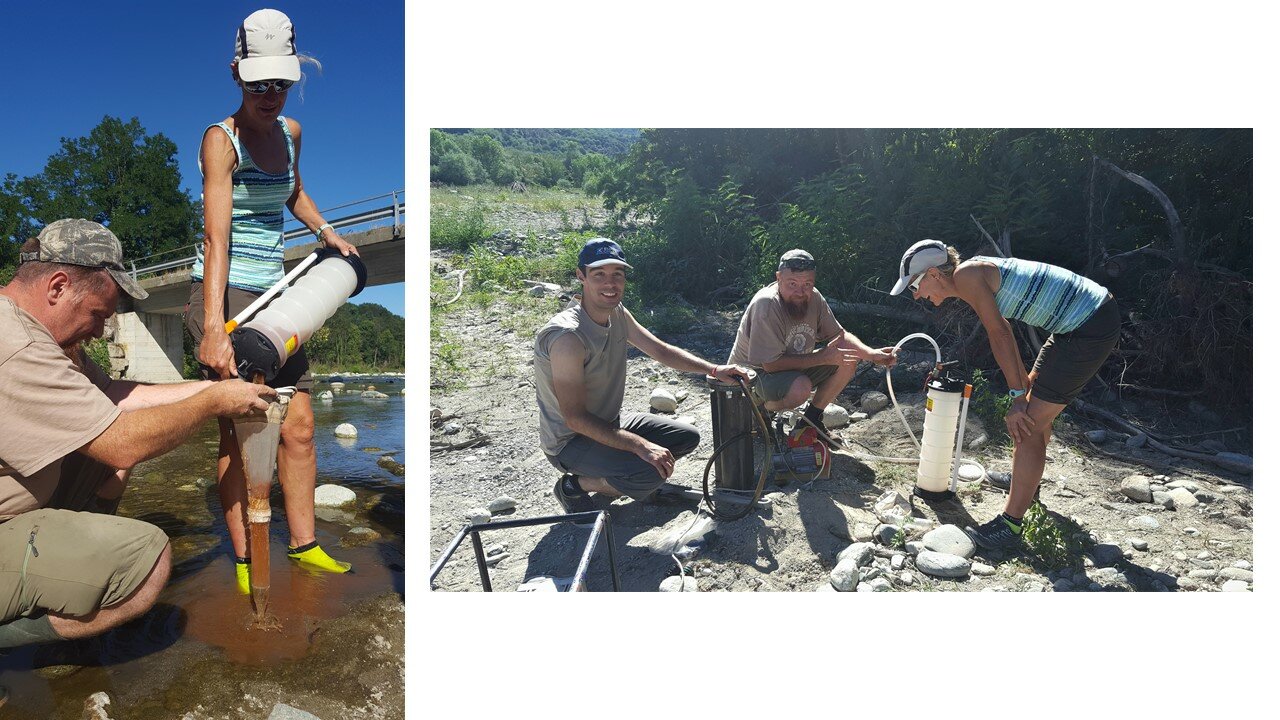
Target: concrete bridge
{"points": [[144, 337]]}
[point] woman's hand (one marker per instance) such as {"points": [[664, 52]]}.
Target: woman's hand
{"points": [[215, 351], [1019, 421], [331, 239]]}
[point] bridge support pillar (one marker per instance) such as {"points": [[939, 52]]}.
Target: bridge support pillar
{"points": [[146, 347]]}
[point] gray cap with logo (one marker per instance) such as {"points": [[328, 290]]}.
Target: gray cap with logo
{"points": [[88, 244], [797, 260]]}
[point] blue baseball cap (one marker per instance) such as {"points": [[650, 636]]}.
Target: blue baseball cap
{"points": [[602, 251]]}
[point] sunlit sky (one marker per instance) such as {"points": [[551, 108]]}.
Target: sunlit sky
{"points": [[166, 63]]}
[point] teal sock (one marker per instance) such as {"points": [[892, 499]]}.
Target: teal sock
{"points": [[28, 631]]}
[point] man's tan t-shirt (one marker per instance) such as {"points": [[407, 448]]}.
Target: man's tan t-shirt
{"points": [[48, 409], [603, 372], [767, 332]]}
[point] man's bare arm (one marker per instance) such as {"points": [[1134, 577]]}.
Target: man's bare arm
{"points": [[678, 358], [129, 395], [138, 435]]}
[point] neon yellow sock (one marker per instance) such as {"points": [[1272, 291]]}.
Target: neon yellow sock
{"points": [[242, 577], [314, 556]]}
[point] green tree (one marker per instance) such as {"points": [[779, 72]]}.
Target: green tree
{"points": [[488, 152], [441, 144], [15, 226], [458, 168], [120, 176]]}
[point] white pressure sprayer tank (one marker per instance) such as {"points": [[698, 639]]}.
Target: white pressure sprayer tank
{"points": [[938, 441], [295, 308]]}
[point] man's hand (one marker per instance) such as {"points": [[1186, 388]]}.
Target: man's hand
{"points": [[237, 398], [659, 457], [884, 357], [1019, 421], [727, 373], [839, 355]]}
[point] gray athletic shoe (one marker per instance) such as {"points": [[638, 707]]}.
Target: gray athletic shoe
{"points": [[995, 535], [1001, 480]]}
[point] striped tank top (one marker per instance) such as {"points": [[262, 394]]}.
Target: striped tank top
{"points": [[256, 252], [1045, 296]]}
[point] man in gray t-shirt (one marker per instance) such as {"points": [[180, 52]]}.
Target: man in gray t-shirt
{"points": [[580, 363], [778, 336]]}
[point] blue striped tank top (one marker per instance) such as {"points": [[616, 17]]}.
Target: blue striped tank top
{"points": [[256, 252], [1045, 296]]}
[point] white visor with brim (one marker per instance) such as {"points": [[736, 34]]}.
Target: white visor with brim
{"points": [[900, 285], [918, 258], [271, 67]]}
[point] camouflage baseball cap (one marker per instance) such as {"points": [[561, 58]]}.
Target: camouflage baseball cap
{"points": [[88, 244]]}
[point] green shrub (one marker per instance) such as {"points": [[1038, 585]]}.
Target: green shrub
{"points": [[989, 405], [665, 320], [447, 362], [98, 353], [459, 228], [491, 269], [458, 168], [1047, 541]]}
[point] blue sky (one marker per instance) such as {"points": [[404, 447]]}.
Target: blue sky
{"points": [[166, 63]]}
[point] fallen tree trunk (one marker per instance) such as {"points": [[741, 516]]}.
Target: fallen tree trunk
{"points": [[884, 311], [1228, 461]]}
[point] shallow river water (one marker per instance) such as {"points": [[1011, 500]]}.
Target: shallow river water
{"points": [[200, 623]]}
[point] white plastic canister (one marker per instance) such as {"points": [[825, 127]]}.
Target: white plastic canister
{"points": [[938, 443]]}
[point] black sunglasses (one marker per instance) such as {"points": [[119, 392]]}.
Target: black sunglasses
{"points": [[258, 87]]}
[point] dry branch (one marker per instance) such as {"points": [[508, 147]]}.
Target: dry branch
{"points": [[1177, 236], [1161, 391]]}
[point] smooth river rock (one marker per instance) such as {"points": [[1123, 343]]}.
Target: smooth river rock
{"points": [[334, 496], [942, 564], [951, 540]]}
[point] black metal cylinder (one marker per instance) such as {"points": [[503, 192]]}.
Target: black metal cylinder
{"points": [[731, 421]]}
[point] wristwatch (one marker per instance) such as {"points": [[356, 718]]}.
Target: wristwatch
{"points": [[1015, 394]]}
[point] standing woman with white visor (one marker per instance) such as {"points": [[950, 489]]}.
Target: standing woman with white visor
{"points": [[250, 167], [1085, 324]]}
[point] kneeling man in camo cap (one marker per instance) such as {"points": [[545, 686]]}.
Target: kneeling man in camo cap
{"points": [[68, 567]]}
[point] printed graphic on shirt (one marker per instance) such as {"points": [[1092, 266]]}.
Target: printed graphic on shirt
{"points": [[800, 338]]}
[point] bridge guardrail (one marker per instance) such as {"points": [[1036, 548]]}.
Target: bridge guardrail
{"points": [[393, 212]]}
